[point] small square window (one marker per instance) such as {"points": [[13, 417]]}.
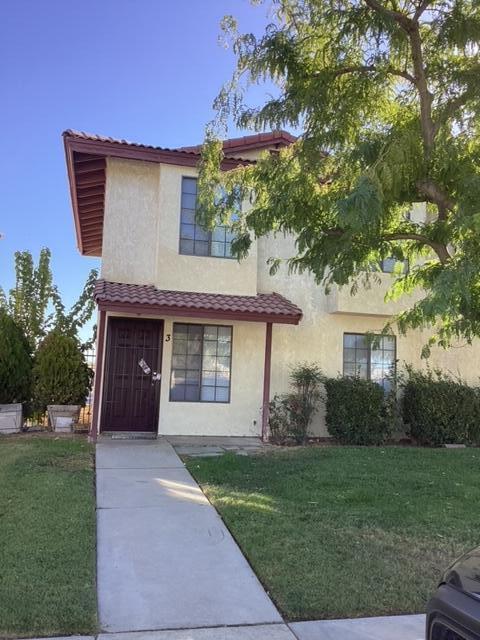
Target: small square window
{"points": [[218, 234], [189, 201], [221, 394], [208, 378], [187, 231], [225, 334], [189, 185], [201, 360], [373, 360], [194, 239], [186, 247], [191, 393], [201, 234], [218, 249], [188, 216], [208, 394], [210, 332], [201, 248]]}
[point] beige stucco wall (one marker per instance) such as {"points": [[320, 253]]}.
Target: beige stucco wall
{"points": [[130, 228], [141, 235]]}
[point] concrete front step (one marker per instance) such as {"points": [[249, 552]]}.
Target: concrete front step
{"points": [[128, 435]]}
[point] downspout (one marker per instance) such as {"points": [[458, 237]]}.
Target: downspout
{"points": [[92, 436], [266, 380]]}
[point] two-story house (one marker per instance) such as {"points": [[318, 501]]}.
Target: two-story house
{"points": [[189, 340]]}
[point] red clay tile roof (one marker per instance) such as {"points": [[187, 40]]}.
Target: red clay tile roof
{"points": [[256, 141], [264, 307], [72, 133]]}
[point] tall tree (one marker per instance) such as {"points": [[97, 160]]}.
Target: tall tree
{"points": [[28, 301], [387, 95], [35, 302]]}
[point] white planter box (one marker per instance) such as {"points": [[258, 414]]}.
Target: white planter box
{"points": [[11, 418], [63, 416]]}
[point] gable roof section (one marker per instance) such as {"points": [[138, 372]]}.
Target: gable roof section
{"points": [[264, 307], [86, 156]]}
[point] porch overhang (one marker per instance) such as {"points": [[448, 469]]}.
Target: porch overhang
{"points": [[147, 299], [134, 299]]}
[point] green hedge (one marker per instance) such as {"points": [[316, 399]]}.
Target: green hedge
{"points": [[355, 411], [439, 409], [15, 362]]}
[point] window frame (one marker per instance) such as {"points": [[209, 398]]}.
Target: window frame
{"points": [[199, 324], [209, 240], [369, 355], [405, 269]]}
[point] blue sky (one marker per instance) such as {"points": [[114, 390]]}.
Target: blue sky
{"points": [[144, 70]]}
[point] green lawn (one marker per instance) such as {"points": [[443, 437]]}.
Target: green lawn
{"points": [[344, 531], [47, 537]]}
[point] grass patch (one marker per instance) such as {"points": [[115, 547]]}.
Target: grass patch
{"points": [[344, 531], [47, 537]]}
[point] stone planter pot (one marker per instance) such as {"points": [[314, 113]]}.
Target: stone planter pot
{"points": [[62, 417], [11, 418]]}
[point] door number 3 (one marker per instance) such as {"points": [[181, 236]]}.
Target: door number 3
{"points": [[168, 337]]}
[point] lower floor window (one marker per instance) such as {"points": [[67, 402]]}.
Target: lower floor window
{"points": [[201, 363], [371, 359]]}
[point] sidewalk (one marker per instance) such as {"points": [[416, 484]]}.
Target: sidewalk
{"points": [[165, 559]]}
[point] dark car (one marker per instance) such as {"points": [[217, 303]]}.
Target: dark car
{"points": [[454, 611]]}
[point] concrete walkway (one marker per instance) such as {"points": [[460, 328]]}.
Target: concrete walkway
{"points": [[165, 558]]}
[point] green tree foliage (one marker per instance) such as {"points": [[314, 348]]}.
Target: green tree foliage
{"points": [[387, 95], [35, 302], [71, 321], [15, 362], [61, 374], [29, 299]]}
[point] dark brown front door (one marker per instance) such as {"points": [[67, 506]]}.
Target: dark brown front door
{"points": [[131, 394]]}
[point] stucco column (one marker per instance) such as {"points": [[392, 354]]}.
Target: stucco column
{"points": [[98, 376], [266, 379]]}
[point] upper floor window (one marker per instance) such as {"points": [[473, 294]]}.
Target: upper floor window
{"points": [[194, 240], [201, 363], [371, 360], [389, 265]]}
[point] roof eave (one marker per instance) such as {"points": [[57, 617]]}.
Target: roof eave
{"points": [[147, 154], [186, 312], [73, 191]]}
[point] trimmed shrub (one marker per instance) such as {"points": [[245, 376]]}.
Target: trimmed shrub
{"points": [[355, 411], [60, 373], [291, 414], [439, 409], [15, 362]]}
